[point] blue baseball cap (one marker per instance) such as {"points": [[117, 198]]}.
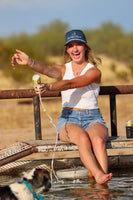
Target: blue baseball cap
{"points": [[75, 35]]}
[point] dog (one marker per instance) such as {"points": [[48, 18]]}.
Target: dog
{"points": [[32, 183]]}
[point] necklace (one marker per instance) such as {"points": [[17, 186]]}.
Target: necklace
{"points": [[77, 73]]}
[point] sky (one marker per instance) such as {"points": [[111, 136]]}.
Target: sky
{"points": [[28, 16]]}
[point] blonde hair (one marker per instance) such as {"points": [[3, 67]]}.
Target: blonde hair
{"points": [[89, 56]]}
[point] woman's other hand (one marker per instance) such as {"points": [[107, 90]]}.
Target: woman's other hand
{"points": [[20, 58]]}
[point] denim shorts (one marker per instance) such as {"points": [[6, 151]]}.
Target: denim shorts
{"points": [[83, 118]]}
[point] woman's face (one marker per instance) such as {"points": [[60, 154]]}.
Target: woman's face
{"points": [[76, 51]]}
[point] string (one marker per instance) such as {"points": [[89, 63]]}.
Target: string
{"points": [[56, 140]]}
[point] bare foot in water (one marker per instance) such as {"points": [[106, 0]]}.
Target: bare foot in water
{"points": [[105, 178], [90, 176]]}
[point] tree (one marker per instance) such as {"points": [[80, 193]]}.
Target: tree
{"points": [[51, 37]]}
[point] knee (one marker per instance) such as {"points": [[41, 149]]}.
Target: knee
{"points": [[84, 140], [99, 143]]}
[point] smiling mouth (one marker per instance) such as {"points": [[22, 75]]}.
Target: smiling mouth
{"points": [[76, 54]]}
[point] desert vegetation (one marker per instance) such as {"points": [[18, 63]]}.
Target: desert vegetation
{"points": [[109, 40]]}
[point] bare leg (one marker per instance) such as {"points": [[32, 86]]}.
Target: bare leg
{"points": [[74, 134], [98, 135]]}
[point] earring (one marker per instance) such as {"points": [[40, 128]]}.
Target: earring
{"points": [[67, 52]]}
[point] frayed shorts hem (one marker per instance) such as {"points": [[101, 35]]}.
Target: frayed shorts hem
{"points": [[83, 118]]}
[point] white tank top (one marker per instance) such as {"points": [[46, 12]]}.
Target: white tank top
{"points": [[82, 98]]}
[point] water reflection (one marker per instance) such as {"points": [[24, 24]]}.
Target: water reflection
{"points": [[120, 187], [93, 191]]}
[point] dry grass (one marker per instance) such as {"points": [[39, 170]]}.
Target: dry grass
{"points": [[17, 120], [109, 77]]}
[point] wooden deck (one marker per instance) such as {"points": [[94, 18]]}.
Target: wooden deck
{"points": [[29, 154], [115, 146], [119, 149]]}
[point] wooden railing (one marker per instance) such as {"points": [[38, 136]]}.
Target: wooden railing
{"points": [[112, 91]]}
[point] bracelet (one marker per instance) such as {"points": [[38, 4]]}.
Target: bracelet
{"points": [[32, 63], [50, 87]]}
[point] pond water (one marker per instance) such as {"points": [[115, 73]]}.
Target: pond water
{"points": [[120, 187]]}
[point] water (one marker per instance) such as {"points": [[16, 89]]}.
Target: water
{"points": [[120, 187]]}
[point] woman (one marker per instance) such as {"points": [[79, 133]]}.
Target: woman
{"points": [[79, 80]]}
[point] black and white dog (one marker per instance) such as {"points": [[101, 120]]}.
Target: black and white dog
{"points": [[33, 182]]}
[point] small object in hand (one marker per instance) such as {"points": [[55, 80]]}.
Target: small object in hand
{"points": [[36, 80]]}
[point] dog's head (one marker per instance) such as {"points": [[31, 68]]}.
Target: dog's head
{"points": [[39, 179]]}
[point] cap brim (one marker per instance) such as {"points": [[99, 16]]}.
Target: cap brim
{"points": [[75, 40]]}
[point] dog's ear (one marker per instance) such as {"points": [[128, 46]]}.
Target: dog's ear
{"points": [[28, 175]]}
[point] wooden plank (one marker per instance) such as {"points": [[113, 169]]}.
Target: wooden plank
{"points": [[47, 146], [75, 154], [120, 151]]}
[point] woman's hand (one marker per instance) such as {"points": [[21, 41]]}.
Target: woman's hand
{"points": [[43, 87], [20, 58]]}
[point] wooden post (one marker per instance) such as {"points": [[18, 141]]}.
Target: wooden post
{"points": [[37, 118], [113, 115]]}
